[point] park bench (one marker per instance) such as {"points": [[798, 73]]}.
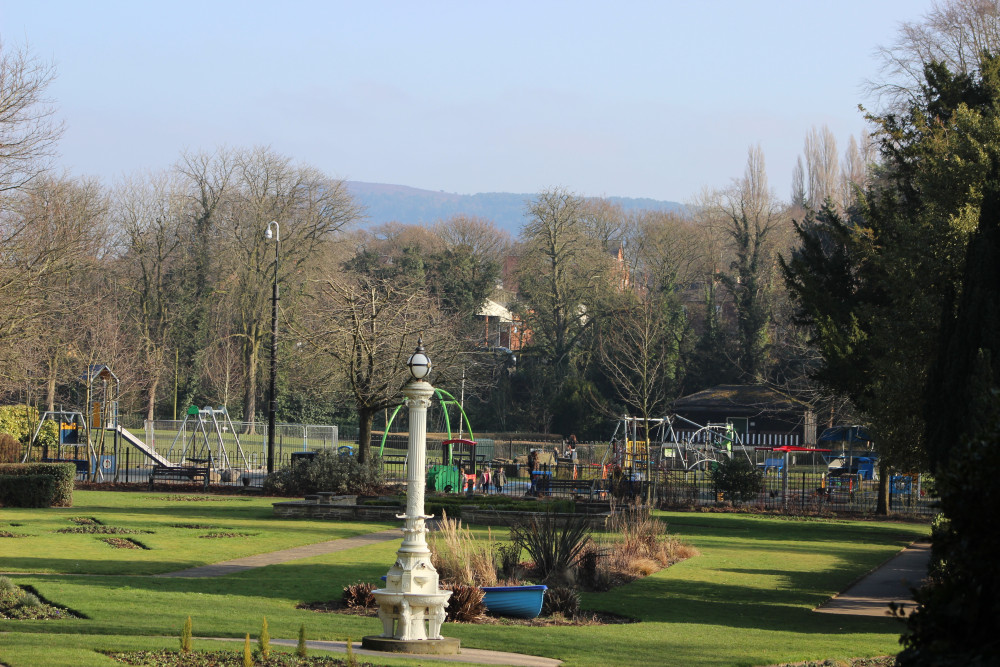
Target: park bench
{"points": [[573, 487], [179, 473]]}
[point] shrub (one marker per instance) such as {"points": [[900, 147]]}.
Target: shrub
{"points": [[264, 641], [62, 473], [466, 604], [510, 558], [590, 572], [186, 636], [247, 654], [27, 490], [561, 600], [300, 648], [328, 471], [359, 596], [737, 479], [554, 548], [10, 449]]}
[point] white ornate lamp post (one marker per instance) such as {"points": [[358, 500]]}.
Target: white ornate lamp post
{"points": [[411, 606]]}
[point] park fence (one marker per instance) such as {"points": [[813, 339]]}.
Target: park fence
{"points": [[238, 453]]}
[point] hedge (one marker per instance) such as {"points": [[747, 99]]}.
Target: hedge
{"points": [[27, 490], [61, 473]]}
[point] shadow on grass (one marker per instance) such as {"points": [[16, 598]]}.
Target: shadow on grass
{"points": [[731, 605], [728, 526]]}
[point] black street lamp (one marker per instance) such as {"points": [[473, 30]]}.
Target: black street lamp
{"points": [[272, 404]]}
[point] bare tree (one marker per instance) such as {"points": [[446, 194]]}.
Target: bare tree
{"points": [[28, 133], [563, 275], [822, 167], [954, 32], [369, 326], [236, 194], [485, 240], [149, 214]]}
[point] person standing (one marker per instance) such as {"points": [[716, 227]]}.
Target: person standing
{"points": [[499, 479], [484, 480]]}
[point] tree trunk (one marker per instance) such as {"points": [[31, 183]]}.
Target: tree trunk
{"points": [[882, 508], [250, 386], [50, 385], [151, 399], [365, 418]]}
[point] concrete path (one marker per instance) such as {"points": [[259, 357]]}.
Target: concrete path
{"points": [[468, 655], [871, 595], [295, 553]]}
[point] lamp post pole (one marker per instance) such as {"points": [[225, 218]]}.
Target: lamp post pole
{"points": [[272, 403], [411, 606]]}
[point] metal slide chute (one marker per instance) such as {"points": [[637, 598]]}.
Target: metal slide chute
{"points": [[131, 439]]}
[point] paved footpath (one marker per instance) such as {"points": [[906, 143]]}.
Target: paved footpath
{"points": [[891, 582], [468, 655], [285, 555]]}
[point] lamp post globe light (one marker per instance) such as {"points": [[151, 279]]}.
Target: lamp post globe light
{"points": [[411, 606], [272, 402]]}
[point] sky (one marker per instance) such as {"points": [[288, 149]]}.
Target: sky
{"points": [[658, 99]]}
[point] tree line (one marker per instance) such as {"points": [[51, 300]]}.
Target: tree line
{"points": [[166, 278]]}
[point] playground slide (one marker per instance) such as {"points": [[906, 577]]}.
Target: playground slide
{"points": [[143, 447]]}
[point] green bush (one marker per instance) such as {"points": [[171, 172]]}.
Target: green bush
{"points": [[328, 471], [738, 479], [62, 475], [21, 421], [27, 490]]}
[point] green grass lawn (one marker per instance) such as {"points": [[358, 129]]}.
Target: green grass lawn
{"points": [[746, 600]]}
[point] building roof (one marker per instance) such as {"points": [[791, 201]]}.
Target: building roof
{"points": [[493, 309], [739, 399]]}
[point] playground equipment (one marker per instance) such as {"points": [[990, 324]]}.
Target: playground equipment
{"points": [[196, 447], [102, 406], [73, 434], [446, 400], [637, 442]]}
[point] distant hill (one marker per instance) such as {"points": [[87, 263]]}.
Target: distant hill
{"points": [[387, 203]]}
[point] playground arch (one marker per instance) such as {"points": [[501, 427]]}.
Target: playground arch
{"points": [[446, 400]]}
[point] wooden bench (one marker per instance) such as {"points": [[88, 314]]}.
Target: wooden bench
{"points": [[179, 473]]}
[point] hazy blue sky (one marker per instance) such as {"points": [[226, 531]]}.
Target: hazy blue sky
{"points": [[639, 99]]}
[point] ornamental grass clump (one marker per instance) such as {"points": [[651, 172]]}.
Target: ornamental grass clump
{"points": [[460, 558], [641, 544]]}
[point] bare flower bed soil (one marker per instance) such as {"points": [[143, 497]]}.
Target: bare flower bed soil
{"points": [[225, 659]]}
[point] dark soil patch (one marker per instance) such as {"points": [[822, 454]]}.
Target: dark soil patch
{"points": [[222, 535], [7, 533], [583, 618], [881, 661], [104, 530], [223, 659], [200, 499], [124, 543], [194, 526], [86, 521]]}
